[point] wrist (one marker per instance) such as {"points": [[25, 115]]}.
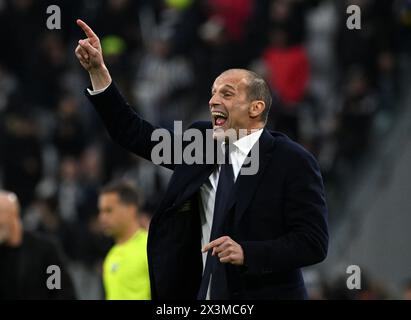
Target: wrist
{"points": [[100, 77], [98, 69]]}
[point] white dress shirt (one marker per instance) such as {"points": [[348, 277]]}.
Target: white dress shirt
{"points": [[209, 188]]}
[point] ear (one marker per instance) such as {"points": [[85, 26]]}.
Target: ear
{"points": [[256, 109]]}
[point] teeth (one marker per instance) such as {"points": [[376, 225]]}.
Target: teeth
{"points": [[219, 114]]}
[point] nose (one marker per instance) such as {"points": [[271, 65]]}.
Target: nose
{"points": [[213, 101]]}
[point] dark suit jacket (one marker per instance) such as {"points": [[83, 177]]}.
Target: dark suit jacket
{"points": [[23, 270], [278, 215]]}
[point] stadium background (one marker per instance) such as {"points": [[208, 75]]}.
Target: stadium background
{"points": [[343, 94]]}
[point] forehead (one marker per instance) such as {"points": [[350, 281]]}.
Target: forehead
{"points": [[234, 79], [109, 198]]}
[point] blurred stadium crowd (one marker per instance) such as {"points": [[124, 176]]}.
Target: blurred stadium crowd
{"points": [[333, 89]]}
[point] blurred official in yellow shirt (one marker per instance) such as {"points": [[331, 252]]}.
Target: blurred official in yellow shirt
{"points": [[125, 268]]}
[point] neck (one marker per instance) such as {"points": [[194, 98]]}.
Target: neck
{"points": [[248, 131], [254, 129], [128, 233]]}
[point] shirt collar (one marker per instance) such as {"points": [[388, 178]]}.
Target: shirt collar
{"points": [[244, 144]]}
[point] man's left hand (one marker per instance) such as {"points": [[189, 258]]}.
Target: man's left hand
{"points": [[227, 250]]}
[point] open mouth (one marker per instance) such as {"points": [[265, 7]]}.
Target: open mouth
{"points": [[219, 118]]}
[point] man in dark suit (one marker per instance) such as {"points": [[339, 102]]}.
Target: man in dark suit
{"points": [[256, 231], [31, 266]]}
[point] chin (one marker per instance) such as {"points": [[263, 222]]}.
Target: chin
{"points": [[222, 133], [4, 236], [107, 232], [219, 133]]}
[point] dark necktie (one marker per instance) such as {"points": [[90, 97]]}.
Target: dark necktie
{"points": [[218, 286]]}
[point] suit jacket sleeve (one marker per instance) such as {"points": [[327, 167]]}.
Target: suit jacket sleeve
{"points": [[305, 241], [124, 125]]}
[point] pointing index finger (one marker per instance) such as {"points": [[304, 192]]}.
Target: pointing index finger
{"points": [[87, 30], [213, 244]]}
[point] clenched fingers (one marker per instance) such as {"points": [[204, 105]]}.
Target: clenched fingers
{"points": [[227, 249], [88, 48]]}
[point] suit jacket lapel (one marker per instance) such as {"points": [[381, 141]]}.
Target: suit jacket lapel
{"points": [[188, 180], [246, 185], [197, 175]]}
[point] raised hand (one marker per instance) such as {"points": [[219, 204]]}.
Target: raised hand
{"points": [[89, 50], [90, 55]]}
